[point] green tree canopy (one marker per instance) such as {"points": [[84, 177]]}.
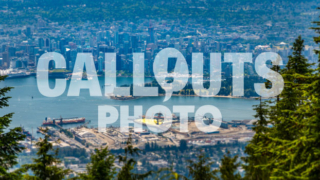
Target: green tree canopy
{"points": [[128, 162], [101, 166], [229, 167], [9, 139], [202, 169], [45, 166]]}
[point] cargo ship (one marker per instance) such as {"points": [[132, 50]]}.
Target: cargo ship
{"points": [[122, 98], [60, 121]]}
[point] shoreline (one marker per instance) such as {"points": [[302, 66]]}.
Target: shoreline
{"points": [[176, 95], [216, 96]]}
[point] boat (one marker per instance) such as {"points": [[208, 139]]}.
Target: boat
{"points": [[60, 121], [124, 97]]}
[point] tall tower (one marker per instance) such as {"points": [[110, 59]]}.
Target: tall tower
{"points": [[116, 38], [73, 57], [151, 32], [100, 62]]}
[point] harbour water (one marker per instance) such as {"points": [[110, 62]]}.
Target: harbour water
{"points": [[30, 107]]}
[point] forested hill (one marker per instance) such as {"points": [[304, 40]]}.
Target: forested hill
{"points": [[233, 12]]}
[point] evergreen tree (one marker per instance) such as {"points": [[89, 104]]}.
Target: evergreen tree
{"points": [[170, 174], [183, 145], [129, 163], [45, 166], [297, 156], [289, 114], [201, 170], [9, 140], [296, 75], [101, 166], [229, 167], [270, 151], [253, 150], [303, 153], [276, 151]]}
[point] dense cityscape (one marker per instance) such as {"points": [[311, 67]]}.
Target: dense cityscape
{"points": [[33, 28], [22, 46]]}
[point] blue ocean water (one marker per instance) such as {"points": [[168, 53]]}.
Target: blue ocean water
{"points": [[30, 112]]}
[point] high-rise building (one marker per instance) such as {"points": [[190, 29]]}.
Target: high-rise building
{"points": [[103, 48], [111, 49], [73, 57], [120, 38], [147, 63], [32, 59], [100, 35], [47, 43], [12, 51], [35, 50], [3, 47], [68, 59], [19, 53], [41, 51], [151, 33], [108, 35], [28, 32], [62, 43], [134, 41], [36, 59], [5, 60], [171, 64], [41, 43], [30, 49], [100, 63], [116, 38], [126, 47]]}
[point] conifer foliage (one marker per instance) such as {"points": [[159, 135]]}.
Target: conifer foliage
{"points": [[45, 166], [9, 140], [128, 163], [229, 167], [274, 151], [290, 148], [101, 166], [201, 169], [254, 149]]}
